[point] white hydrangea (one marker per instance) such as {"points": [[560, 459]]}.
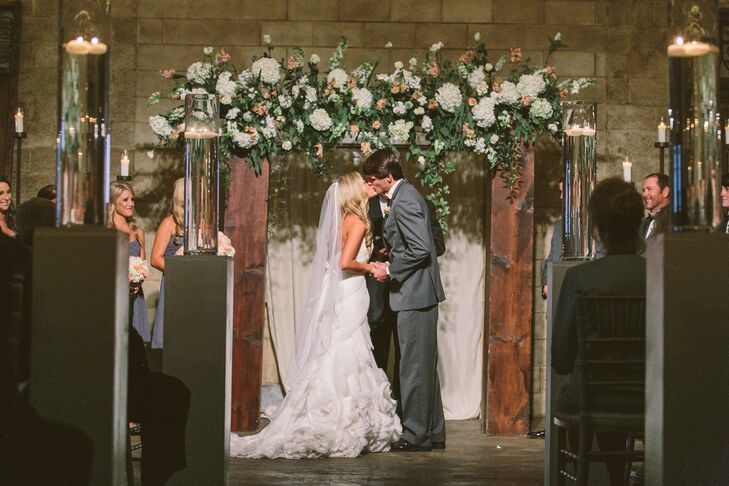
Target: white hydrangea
{"points": [[449, 97], [419, 110], [320, 120], [299, 126], [244, 140], [245, 77], [438, 146], [387, 78], [426, 124], [247, 116], [478, 145], [232, 113], [541, 108], [160, 126], [337, 78], [311, 94], [494, 138], [462, 71], [400, 130], [413, 82], [508, 94], [399, 108], [225, 88], [284, 101], [362, 98], [476, 77], [531, 85], [199, 72], [483, 112], [287, 145], [269, 131], [436, 47], [268, 69]]}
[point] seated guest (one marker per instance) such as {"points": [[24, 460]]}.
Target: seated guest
{"points": [[656, 192], [7, 208], [36, 450], [48, 192], [161, 404], [121, 217], [725, 202], [615, 210], [167, 241]]}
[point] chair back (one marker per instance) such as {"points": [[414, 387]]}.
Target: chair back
{"points": [[611, 354]]}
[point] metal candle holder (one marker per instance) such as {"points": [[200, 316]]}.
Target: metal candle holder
{"points": [[19, 158], [662, 146]]}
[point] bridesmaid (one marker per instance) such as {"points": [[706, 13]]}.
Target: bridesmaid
{"points": [[7, 209], [167, 241], [121, 217]]}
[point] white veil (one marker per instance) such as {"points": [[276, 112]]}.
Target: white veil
{"points": [[315, 324]]}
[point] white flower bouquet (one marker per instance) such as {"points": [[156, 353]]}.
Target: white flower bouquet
{"points": [[138, 270]]}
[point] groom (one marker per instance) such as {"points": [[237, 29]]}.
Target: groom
{"points": [[415, 291]]}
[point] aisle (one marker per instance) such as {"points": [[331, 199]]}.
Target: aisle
{"points": [[469, 459]]}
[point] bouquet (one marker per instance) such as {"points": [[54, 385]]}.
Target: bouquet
{"points": [[138, 270]]}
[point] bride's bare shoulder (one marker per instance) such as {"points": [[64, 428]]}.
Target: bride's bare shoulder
{"points": [[352, 221]]}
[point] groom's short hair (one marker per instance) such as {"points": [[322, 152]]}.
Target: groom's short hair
{"points": [[383, 162]]}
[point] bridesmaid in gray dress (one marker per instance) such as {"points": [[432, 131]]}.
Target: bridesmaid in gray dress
{"points": [[167, 241], [121, 217]]}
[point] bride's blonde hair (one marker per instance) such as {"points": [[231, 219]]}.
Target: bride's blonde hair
{"points": [[354, 200]]}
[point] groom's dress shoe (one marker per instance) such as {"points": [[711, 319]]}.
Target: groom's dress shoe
{"points": [[438, 445], [537, 434], [404, 446]]}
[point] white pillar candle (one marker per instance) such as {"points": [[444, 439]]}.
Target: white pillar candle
{"points": [[726, 133], [124, 169], [662, 132], [627, 170], [77, 46], [19, 121], [97, 47]]}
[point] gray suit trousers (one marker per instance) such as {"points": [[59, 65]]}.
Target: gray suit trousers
{"points": [[422, 409]]}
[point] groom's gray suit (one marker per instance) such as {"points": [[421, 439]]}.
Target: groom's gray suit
{"points": [[415, 290]]}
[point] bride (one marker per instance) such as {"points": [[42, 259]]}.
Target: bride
{"points": [[338, 401]]}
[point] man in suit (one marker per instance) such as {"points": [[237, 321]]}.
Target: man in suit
{"points": [[380, 316], [725, 201], [415, 290], [656, 192]]}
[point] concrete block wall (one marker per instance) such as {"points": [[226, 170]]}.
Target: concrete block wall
{"points": [[619, 42]]}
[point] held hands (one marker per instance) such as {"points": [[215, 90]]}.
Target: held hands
{"points": [[379, 271]]}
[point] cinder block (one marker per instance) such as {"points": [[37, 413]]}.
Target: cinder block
{"points": [[288, 33], [188, 32], [229, 33], [452, 35], [211, 9], [415, 10], [257, 10], [329, 33], [574, 63], [149, 31], [468, 11], [312, 10], [379, 34], [648, 92], [570, 13], [364, 10], [162, 9], [519, 12]]}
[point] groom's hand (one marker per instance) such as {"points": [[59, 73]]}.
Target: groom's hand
{"points": [[380, 272]]}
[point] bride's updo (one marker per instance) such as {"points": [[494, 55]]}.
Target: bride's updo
{"points": [[353, 200]]}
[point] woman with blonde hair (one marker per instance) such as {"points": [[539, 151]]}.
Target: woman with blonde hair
{"points": [[338, 402], [121, 217], [167, 241]]}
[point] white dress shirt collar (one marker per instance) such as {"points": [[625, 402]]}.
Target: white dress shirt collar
{"points": [[392, 189]]}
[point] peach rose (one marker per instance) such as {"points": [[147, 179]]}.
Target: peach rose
{"points": [[432, 104], [167, 73], [467, 56], [381, 103], [496, 88], [515, 54], [365, 148], [318, 150], [292, 62], [353, 128], [526, 100], [376, 124], [472, 102], [223, 56], [434, 70], [395, 89]]}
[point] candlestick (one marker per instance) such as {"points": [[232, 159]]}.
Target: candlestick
{"points": [[627, 170], [662, 131], [19, 121], [124, 169]]}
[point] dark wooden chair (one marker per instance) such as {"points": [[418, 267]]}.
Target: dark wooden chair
{"points": [[610, 365]]}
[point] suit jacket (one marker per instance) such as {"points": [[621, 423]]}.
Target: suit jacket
{"points": [[663, 219], [414, 275], [611, 275], [379, 301]]}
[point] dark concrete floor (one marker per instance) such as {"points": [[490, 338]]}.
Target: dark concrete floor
{"points": [[470, 458]]}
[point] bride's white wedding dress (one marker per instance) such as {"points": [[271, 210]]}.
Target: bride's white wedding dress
{"points": [[339, 402]]}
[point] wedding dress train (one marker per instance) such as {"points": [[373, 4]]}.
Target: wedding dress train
{"points": [[339, 402]]}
